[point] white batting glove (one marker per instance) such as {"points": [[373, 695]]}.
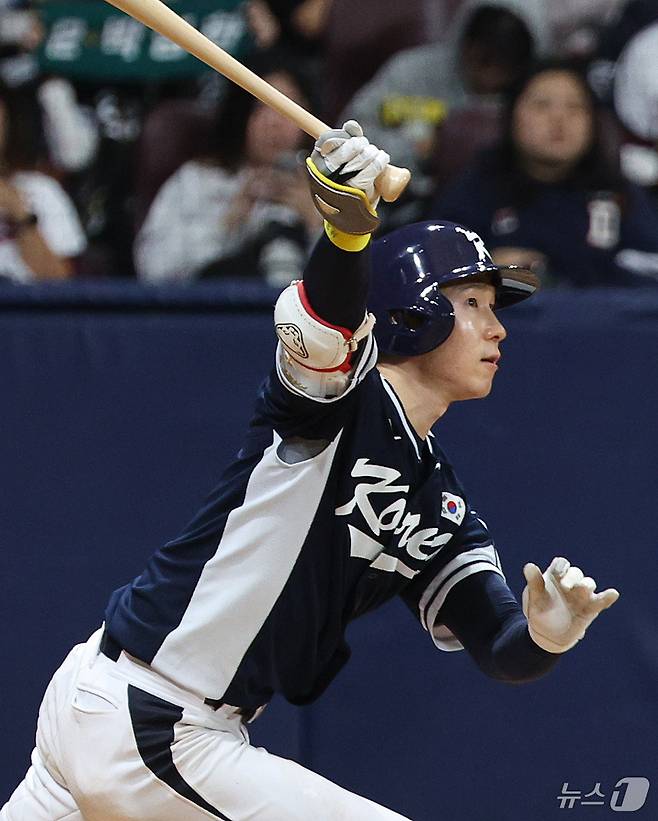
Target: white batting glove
{"points": [[359, 161], [561, 604]]}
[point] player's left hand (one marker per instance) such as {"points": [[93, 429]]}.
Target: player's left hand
{"points": [[561, 603]]}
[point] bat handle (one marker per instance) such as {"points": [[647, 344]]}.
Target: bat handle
{"points": [[392, 182]]}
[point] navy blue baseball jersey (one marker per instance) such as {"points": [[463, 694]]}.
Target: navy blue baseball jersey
{"points": [[333, 506]]}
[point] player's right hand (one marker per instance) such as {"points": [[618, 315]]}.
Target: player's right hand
{"points": [[561, 603], [346, 156]]}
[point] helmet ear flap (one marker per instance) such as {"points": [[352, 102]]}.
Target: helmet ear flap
{"points": [[406, 318], [443, 321], [413, 330]]}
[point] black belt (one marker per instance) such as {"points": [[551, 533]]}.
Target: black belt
{"points": [[246, 713], [110, 648]]}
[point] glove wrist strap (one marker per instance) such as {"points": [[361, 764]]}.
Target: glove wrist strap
{"points": [[345, 208], [548, 644]]}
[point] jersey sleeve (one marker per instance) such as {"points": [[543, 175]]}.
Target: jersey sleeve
{"points": [[292, 412], [470, 551]]}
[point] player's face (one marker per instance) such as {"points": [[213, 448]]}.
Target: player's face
{"points": [[465, 364], [553, 121]]}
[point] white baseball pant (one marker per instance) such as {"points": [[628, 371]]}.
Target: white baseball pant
{"points": [[116, 742]]}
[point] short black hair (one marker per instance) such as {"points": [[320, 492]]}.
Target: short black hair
{"points": [[502, 36]]}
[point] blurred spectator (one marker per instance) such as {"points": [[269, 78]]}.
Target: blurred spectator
{"points": [[20, 27], [578, 25], [40, 233], [636, 104], [489, 46], [297, 25], [437, 17], [120, 72], [70, 131], [359, 39], [20, 34], [631, 17], [550, 197], [244, 211], [104, 191], [174, 131], [636, 85]]}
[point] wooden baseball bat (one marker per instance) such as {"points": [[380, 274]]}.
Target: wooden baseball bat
{"points": [[159, 17]]}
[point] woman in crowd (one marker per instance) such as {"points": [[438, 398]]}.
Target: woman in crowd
{"points": [[550, 196], [40, 233], [293, 24], [244, 210]]}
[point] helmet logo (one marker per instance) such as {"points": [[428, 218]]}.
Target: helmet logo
{"points": [[471, 236], [293, 339]]}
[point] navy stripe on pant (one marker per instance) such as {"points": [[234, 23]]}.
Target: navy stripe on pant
{"points": [[153, 721]]}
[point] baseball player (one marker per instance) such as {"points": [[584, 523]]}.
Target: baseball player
{"points": [[339, 499]]}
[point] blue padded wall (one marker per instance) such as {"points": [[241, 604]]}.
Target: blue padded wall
{"points": [[119, 407]]}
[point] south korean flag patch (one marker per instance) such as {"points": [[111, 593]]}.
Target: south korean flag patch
{"points": [[452, 507]]}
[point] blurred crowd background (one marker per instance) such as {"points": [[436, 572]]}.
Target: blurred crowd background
{"points": [[533, 122]]}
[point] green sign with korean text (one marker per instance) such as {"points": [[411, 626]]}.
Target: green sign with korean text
{"points": [[89, 39]]}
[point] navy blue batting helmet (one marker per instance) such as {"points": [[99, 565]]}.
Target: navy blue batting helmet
{"points": [[409, 267]]}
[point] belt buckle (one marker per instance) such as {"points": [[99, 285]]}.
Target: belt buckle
{"points": [[247, 714]]}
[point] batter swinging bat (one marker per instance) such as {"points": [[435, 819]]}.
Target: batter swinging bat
{"points": [[154, 14]]}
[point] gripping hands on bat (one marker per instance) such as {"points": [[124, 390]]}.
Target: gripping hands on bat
{"points": [[343, 171], [345, 155]]}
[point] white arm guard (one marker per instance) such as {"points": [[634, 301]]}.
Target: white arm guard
{"points": [[311, 342]]}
